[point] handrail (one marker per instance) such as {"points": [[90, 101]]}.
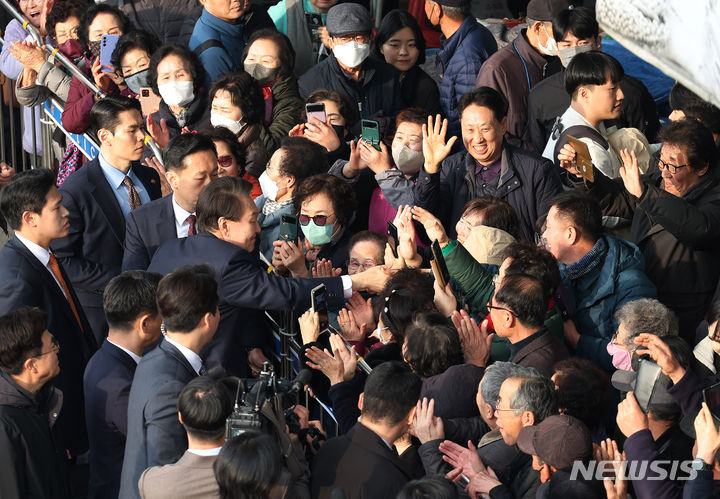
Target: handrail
{"points": [[23, 20], [72, 68]]}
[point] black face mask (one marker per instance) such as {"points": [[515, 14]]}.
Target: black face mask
{"points": [[340, 131]]}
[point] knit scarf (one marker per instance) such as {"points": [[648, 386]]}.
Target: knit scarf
{"points": [[273, 206], [592, 260]]}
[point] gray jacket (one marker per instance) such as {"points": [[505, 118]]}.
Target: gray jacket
{"points": [[51, 80], [397, 189]]}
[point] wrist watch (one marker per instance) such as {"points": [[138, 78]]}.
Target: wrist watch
{"points": [[700, 465]]}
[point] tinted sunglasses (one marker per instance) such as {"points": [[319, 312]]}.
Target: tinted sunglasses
{"points": [[318, 219], [225, 161]]}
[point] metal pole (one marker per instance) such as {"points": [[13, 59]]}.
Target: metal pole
{"points": [[10, 8], [34, 136]]}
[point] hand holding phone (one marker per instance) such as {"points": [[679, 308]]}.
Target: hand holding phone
{"points": [[393, 239], [319, 305], [315, 110], [288, 230], [583, 161], [370, 133], [438, 265]]}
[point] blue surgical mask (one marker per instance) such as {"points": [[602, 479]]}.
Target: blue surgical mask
{"points": [[318, 234]]}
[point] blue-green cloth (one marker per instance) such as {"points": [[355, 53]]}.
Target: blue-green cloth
{"points": [[278, 13]]}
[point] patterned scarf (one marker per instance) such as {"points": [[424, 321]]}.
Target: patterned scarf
{"points": [[273, 206], [592, 260]]}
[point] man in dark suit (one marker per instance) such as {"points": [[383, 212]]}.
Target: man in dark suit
{"points": [[131, 310], [99, 197], [188, 303], [364, 462], [227, 221], [191, 163], [31, 275], [203, 406]]}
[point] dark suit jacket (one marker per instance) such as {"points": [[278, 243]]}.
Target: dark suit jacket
{"points": [[245, 289], [191, 476], [147, 228], [92, 252], [108, 378], [25, 281], [361, 464], [542, 353], [155, 436]]}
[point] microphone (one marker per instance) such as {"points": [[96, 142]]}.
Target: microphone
{"points": [[303, 378]]}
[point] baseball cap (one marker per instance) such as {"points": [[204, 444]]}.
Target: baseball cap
{"points": [[545, 10], [559, 441]]}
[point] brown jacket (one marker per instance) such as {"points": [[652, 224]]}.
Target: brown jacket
{"points": [[542, 353], [256, 156]]}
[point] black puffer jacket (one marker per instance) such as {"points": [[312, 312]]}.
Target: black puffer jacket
{"points": [[31, 466], [171, 21]]}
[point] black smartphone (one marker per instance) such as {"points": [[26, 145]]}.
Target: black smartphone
{"points": [[370, 133], [392, 233], [288, 230], [647, 377], [319, 305], [711, 396], [438, 264]]}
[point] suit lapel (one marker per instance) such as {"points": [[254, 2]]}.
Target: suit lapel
{"points": [[165, 220], [177, 355], [149, 179], [539, 343], [371, 442], [119, 355], [104, 196]]}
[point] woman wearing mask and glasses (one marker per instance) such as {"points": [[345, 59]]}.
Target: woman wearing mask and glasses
{"points": [[176, 75], [231, 157], [269, 58], [236, 103]]}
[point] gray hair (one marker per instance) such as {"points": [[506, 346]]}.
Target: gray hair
{"points": [[646, 315], [494, 376], [537, 395]]}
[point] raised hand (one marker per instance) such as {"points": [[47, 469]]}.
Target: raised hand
{"points": [[362, 310], [464, 458], [322, 133], [331, 366], [661, 354], [292, 257], [159, 132], [435, 149], [349, 327], [630, 173], [407, 247], [475, 340], [155, 164], [566, 156], [309, 326], [348, 357], [444, 299], [433, 227], [324, 268], [426, 425], [377, 161]]}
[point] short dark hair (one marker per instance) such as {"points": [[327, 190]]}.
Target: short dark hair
{"points": [[578, 21], [244, 93], [695, 138], [128, 296], [391, 390], [61, 12], [20, 337], [196, 68], [526, 297], [527, 258], [340, 193], [392, 22], [429, 487], [485, 97], [582, 211], [222, 134], [535, 394], [592, 68], [92, 12], [368, 236], [182, 146], [456, 13], [248, 466], [185, 295], [496, 213], [409, 291], [695, 108], [26, 191], [432, 345], [286, 52], [105, 113], [137, 39], [204, 405], [582, 390], [347, 110], [302, 158], [222, 197]]}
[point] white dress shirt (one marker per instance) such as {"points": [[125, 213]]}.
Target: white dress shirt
{"points": [[193, 358], [182, 226], [132, 354], [205, 452]]}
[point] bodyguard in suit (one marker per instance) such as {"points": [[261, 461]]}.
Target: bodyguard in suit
{"points": [[364, 461], [132, 314], [191, 163], [228, 226], [31, 275], [99, 197], [203, 406], [188, 303]]}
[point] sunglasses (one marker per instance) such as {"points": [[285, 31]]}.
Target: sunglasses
{"points": [[225, 161], [319, 220]]}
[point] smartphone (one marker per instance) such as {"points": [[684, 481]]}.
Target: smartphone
{"points": [[711, 396], [319, 305], [582, 158], [647, 377], [288, 228], [392, 238], [371, 133], [149, 102], [107, 47], [315, 110], [438, 264]]}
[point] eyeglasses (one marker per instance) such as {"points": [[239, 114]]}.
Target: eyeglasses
{"points": [[318, 219], [55, 347], [225, 161], [613, 341], [342, 40], [489, 306], [497, 407], [669, 166], [354, 263]]}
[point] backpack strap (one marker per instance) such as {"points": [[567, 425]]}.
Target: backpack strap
{"points": [[207, 44]]}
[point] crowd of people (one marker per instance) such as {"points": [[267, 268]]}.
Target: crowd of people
{"points": [[502, 273]]}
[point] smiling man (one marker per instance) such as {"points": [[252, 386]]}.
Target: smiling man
{"points": [[490, 166]]}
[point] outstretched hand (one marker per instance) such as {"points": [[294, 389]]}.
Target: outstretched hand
{"points": [[435, 148], [630, 173]]}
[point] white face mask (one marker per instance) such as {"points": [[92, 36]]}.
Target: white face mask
{"points": [[407, 160], [269, 188], [567, 54], [352, 54], [550, 48], [177, 93], [217, 120]]}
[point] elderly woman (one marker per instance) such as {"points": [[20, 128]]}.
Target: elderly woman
{"points": [[132, 57], [269, 58], [675, 217], [231, 157]]}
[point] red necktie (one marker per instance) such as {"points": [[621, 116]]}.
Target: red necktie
{"points": [[191, 221], [55, 267]]}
